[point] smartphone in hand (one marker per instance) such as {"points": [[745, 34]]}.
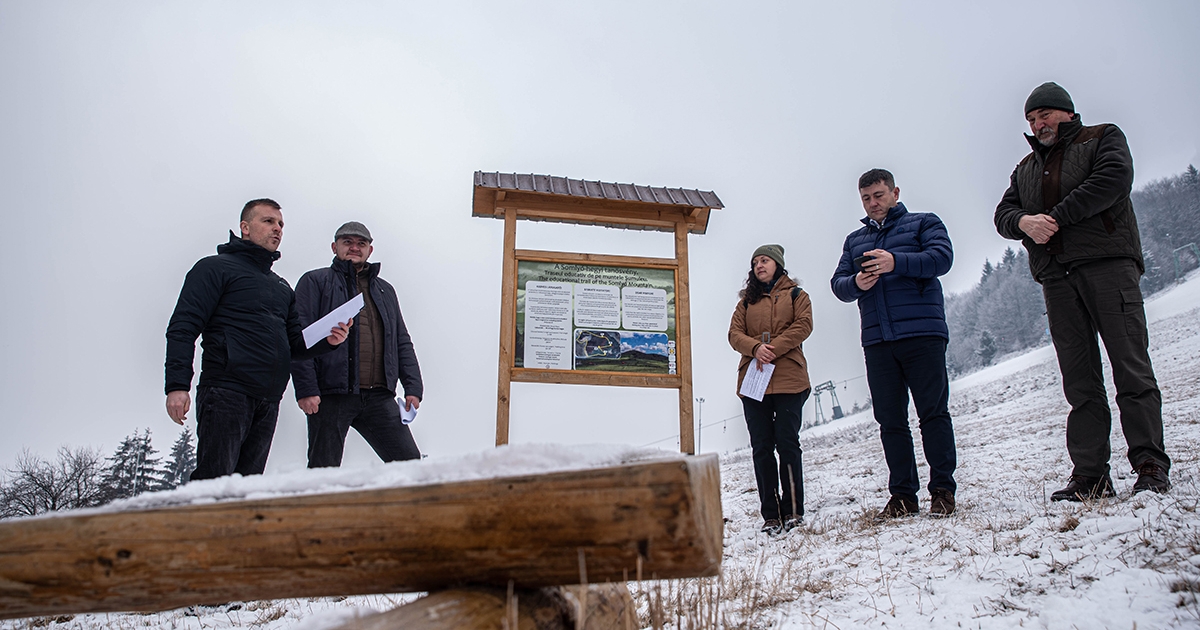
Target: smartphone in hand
{"points": [[858, 262]]}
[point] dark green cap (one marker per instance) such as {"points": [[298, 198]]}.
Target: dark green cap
{"points": [[774, 252], [1049, 94], [353, 228]]}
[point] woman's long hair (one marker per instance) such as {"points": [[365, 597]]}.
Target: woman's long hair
{"points": [[755, 289]]}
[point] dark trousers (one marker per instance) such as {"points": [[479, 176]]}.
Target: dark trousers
{"points": [[774, 426], [374, 413], [894, 368], [233, 432], [1103, 297]]}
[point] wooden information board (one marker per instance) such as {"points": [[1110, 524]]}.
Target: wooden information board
{"points": [[593, 319]]}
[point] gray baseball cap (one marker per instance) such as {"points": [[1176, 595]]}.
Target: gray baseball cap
{"points": [[353, 228]]}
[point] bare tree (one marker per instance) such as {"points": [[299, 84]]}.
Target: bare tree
{"points": [[34, 485]]}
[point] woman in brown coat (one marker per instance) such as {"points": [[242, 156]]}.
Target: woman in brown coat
{"points": [[771, 321]]}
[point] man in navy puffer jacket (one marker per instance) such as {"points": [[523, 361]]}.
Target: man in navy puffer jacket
{"points": [[891, 267]]}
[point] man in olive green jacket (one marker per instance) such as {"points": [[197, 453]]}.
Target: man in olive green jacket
{"points": [[1068, 203]]}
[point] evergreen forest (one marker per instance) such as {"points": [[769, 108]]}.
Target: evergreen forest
{"points": [[1005, 313]]}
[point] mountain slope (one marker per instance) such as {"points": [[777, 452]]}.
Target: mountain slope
{"points": [[1009, 557]]}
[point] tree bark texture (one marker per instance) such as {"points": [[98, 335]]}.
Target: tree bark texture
{"points": [[590, 526]]}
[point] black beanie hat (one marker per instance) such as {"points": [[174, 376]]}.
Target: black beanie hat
{"points": [[1049, 94]]}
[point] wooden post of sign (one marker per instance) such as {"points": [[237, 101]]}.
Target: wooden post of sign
{"points": [[508, 324], [683, 340]]}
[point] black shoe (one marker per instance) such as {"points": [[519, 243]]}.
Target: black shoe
{"points": [[1151, 477], [1085, 489], [941, 502], [897, 507], [772, 527], [792, 521]]}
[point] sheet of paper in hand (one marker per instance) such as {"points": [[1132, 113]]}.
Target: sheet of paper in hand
{"points": [[406, 415], [344, 313], [754, 385]]}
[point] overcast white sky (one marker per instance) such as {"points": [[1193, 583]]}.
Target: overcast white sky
{"points": [[132, 133]]}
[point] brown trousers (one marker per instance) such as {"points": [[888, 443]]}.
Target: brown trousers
{"points": [[1103, 297]]}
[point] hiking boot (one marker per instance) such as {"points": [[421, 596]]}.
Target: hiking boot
{"points": [[772, 527], [1084, 489], [941, 502], [792, 522], [896, 507], [1151, 477]]}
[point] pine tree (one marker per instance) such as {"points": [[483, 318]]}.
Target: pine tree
{"points": [[987, 348], [987, 270], [1191, 177], [1009, 258], [182, 460], [134, 469]]}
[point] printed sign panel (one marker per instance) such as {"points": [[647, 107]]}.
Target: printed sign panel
{"points": [[595, 317]]}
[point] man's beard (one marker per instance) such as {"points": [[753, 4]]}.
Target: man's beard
{"points": [[1047, 137]]}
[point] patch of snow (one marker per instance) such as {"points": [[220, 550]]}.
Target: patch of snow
{"points": [[504, 461]]}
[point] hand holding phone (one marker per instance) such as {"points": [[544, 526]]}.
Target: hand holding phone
{"points": [[859, 262]]}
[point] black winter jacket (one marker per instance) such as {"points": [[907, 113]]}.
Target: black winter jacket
{"points": [[247, 315], [1083, 181], [319, 292]]}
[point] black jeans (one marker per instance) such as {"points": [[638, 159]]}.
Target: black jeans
{"points": [[374, 413], [233, 432], [894, 368], [1103, 297], [774, 426]]}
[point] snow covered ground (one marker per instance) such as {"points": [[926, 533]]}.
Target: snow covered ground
{"points": [[1008, 558]]}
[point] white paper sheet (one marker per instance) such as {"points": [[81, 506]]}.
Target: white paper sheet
{"points": [[344, 313], [754, 385], [406, 415]]}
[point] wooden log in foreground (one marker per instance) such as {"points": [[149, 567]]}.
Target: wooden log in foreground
{"points": [[586, 526], [601, 607]]}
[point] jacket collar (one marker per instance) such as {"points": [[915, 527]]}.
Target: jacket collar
{"points": [[895, 213], [1066, 132], [784, 283], [346, 268], [253, 252]]}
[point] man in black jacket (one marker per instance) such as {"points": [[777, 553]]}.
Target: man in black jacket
{"points": [[251, 330], [355, 386], [1068, 203]]}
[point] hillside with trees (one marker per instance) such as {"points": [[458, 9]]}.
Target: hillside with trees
{"points": [[1005, 313], [82, 478]]}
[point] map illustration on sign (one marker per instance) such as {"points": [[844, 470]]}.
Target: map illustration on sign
{"points": [[597, 344], [595, 317]]}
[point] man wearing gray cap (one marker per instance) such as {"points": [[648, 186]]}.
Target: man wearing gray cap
{"points": [[1068, 203], [355, 386]]}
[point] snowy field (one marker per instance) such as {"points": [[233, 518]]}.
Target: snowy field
{"points": [[1008, 558]]}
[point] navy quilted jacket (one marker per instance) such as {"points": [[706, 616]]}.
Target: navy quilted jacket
{"points": [[908, 301]]}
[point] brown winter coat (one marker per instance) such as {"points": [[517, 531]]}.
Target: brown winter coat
{"points": [[789, 322]]}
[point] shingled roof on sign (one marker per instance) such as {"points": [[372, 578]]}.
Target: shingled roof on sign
{"points": [[566, 200], [599, 190]]}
